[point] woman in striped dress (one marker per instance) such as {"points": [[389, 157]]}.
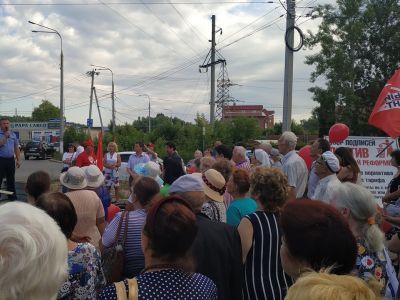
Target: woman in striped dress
{"points": [[144, 190], [260, 234]]}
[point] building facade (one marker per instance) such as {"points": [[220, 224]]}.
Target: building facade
{"points": [[264, 117]]}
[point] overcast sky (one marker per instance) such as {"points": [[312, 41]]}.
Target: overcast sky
{"points": [[153, 48]]}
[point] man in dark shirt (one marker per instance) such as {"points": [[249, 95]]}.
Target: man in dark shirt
{"points": [[217, 248], [173, 164]]}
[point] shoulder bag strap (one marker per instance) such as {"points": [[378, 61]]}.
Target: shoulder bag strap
{"points": [[120, 290], [133, 289], [119, 228], [126, 227]]}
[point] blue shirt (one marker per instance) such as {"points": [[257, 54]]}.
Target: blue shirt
{"points": [[238, 209], [8, 149], [134, 257], [135, 159]]}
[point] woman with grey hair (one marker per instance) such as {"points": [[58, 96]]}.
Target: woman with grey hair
{"points": [[33, 256], [358, 206]]}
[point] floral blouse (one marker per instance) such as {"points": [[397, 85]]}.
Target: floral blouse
{"points": [[371, 265], [86, 276]]}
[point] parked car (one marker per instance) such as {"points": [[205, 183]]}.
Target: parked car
{"points": [[37, 149], [123, 174], [55, 146]]}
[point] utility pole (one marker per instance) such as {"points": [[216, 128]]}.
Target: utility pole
{"points": [[288, 81], [98, 108], [212, 100], [112, 95], [149, 117], [91, 73], [113, 105], [62, 123]]}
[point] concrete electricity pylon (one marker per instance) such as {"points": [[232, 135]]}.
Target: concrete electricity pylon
{"points": [[211, 63]]}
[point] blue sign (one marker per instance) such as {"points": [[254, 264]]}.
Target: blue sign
{"points": [[89, 123]]}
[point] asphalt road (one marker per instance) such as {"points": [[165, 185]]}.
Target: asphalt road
{"points": [[33, 165]]}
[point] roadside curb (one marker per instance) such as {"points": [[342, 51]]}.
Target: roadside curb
{"points": [[55, 160]]}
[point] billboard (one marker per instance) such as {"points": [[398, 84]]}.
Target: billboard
{"points": [[373, 157]]}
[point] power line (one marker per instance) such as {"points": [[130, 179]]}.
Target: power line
{"points": [[161, 75], [77, 78], [191, 27], [251, 33], [139, 28], [169, 28], [251, 23], [137, 3]]}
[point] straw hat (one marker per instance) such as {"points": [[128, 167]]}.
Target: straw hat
{"points": [[214, 184], [73, 179], [93, 175]]}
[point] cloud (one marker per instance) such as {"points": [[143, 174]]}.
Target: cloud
{"points": [[152, 49]]}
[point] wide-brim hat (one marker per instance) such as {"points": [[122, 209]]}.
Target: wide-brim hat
{"points": [[93, 175], [74, 178], [214, 184]]}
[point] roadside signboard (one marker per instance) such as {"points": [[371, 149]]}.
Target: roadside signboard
{"points": [[29, 125]]}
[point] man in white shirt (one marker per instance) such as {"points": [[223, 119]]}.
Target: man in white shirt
{"points": [[78, 150], [293, 166], [317, 148], [326, 167]]}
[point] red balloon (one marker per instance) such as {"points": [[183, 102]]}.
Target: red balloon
{"points": [[304, 153], [338, 133]]}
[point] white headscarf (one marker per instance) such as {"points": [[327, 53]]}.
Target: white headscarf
{"points": [[262, 157]]}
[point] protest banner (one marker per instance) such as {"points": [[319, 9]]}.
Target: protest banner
{"points": [[373, 157]]}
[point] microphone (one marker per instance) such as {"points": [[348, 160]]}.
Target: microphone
{"points": [[8, 133]]}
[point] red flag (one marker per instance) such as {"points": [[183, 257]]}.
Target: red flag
{"points": [[386, 113], [100, 151]]}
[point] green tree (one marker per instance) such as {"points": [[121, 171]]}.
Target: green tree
{"points": [[239, 130], [358, 42], [45, 111], [17, 118], [295, 127], [310, 125], [73, 134]]}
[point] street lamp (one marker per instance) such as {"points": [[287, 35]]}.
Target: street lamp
{"points": [[112, 95], [61, 81], [148, 97]]}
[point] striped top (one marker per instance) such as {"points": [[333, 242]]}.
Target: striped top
{"points": [[134, 258], [264, 277]]}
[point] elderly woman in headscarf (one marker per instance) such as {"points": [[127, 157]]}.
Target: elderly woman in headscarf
{"points": [[260, 158]]}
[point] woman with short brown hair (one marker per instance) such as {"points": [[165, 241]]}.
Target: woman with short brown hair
{"points": [[168, 234], [260, 234], [238, 186]]}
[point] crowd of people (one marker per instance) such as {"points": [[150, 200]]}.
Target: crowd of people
{"points": [[224, 226]]}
